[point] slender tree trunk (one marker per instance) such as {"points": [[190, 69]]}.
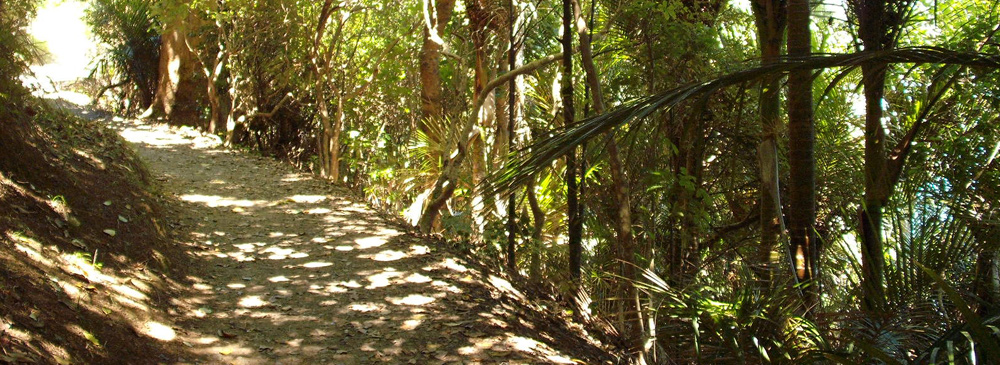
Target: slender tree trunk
{"points": [[234, 127], [215, 123], [538, 218], [435, 20], [872, 29], [872, 254], [770, 20], [215, 107], [326, 130], [804, 247], [625, 252], [575, 229], [480, 23], [338, 127], [511, 101]]}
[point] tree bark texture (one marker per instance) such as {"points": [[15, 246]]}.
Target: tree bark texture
{"points": [[770, 20], [435, 20], [624, 291], [178, 95], [804, 246], [575, 226], [511, 101]]}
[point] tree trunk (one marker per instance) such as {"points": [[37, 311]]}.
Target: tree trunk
{"points": [[177, 93], [803, 247], [509, 121], [625, 252], [326, 130], [538, 218], [480, 22], [215, 124], [987, 282], [575, 229], [770, 21], [338, 127], [444, 187], [877, 185], [436, 19]]}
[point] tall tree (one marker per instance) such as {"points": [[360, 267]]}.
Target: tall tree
{"points": [[624, 249], [511, 104], [575, 229], [879, 25], [321, 55], [770, 19], [803, 246]]}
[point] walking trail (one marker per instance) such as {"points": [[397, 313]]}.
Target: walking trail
{"points": [[288, 269]]}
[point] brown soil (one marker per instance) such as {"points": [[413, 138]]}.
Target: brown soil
{"points": [[288, 269], [84, 267], [255, 263]]}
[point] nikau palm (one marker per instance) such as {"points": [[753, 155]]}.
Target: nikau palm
{"points": [[541, 153]]}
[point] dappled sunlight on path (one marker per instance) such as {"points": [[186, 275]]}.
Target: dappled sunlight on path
{"points": [[292, 271]]}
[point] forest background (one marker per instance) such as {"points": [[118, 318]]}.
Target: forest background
{"points": [[754, 181]]}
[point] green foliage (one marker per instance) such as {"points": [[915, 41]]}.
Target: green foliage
{"points": [[728, 318], [681, 81], [131, 50], [18, 49]]}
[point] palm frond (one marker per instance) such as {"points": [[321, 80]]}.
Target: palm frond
{"points": [[541, 153]]}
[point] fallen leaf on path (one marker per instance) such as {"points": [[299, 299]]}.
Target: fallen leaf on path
{"points": [[79, 244], [225, 334], [90, 337], [110, 232]]}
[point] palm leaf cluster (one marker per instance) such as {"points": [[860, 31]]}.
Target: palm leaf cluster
{"points": [[130, 61], [542, 153]]}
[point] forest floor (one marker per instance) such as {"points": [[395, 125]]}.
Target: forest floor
{"points": [[287, 268]]}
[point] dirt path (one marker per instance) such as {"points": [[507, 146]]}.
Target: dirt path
{"points": [[289, 270]]}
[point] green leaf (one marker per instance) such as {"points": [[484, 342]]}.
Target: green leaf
{"points": [[980, 333], [90, 337]]}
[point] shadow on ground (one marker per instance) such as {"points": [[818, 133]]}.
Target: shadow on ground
{"points": [[291, 271]]}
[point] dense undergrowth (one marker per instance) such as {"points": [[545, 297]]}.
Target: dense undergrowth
{"points": [[354, 94]]}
